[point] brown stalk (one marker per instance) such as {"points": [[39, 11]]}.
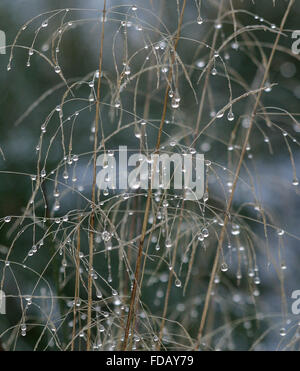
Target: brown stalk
{"points": [[226, 219], [148, 202], [92, 218]]}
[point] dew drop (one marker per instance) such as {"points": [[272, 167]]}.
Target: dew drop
{"points": [[214, 71], [224, 267], [127, 70], [283, 332], [199, 20], [106, 236], [178, 283], [174, 103], [230, 116], [218, 25], [168, 243], [65, 175]]}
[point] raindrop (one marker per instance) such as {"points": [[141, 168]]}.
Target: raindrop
{"points": [[106, 236], [174, 104], [283, 332], [205, 232], [218, 25], [168, 243], [224, 267], [65, 175], [127, 70], [199, 20], [214, 71], [230, 116], [178, 283]]}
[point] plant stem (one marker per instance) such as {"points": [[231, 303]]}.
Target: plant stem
{"points": [[149, 197], [92, 218], [236, 177]]}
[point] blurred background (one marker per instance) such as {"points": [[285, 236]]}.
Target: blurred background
{"points": [[272, 168]]}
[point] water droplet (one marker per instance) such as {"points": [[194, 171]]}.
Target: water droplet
{"points": [[7, 219], [174, 103], [200, 237], [178, 283], [230, 116], [127, 70], [214, 71], [56, 206], [106, 236], [235, 231], [257, 280], [268, 87], [283, 332], [205, 232], [224, 267], [218, 25], [45, 23], [91, 97], [65, 175], [168, 243], [57, 69], [199, 20]]}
